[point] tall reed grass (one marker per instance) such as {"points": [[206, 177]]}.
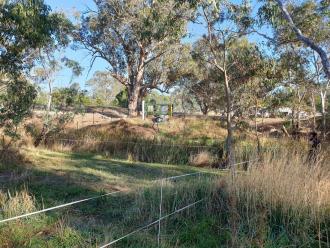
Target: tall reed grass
{"points": [[283, 200]]}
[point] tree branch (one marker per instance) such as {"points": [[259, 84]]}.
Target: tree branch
{"points": [[154, 57], [308, 42]]}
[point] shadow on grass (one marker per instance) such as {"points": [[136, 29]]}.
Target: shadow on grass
{"points": [[53, 181]]}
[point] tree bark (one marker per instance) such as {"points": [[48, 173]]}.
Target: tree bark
{"points": [[134, 87], [256, 127], [324, 111], [42, 136], [229, 142], [298, 119], [314, 110], [204, 109], [133, 100], [49, 103], [293, 117]]}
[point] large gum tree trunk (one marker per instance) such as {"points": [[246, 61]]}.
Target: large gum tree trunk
{"points": [[135, 88], [133, 100]]}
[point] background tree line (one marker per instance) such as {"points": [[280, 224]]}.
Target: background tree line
{"points": [[144, 44]]}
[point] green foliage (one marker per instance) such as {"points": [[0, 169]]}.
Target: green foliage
{"points": [[16, 102], [155, 98], [42, 97], [122, 99], [70, 97], [104, 88], [25, 27], [139, 39], [74, 66], [310, 16]]}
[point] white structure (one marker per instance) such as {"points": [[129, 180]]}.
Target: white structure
{"points": [[143, 110], [285, 111]]}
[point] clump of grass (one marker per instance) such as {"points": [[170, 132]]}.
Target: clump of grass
{"points": [[19, 203], [289, 181], [10, 157], [282, 201], [202, 159], [146, 209]]}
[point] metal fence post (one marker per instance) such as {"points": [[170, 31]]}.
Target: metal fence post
{"points": [[160, 212]]}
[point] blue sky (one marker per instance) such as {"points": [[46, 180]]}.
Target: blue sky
{"points": [[83, 57]]}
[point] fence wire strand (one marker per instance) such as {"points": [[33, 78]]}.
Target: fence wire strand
{"points": [[152, 223], [57, 207], [82, 200], [132, 143]]}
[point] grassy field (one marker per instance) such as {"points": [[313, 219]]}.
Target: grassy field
{"points": [[52, 178], [280, 200], [270, 205], [177, 141]]}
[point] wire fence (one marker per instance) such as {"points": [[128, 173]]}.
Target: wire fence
{"points": [[158, 221], [161, 216], [90, 141], [152, 224], [150, 151], [84, 200]]}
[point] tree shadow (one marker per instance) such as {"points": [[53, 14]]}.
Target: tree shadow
{"points": [[86, 175]]}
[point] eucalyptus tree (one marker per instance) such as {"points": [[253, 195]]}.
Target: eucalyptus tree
{"points": [[202, 81], [104, 87], [25, 27], [255, 93], [305, 22], [295, 79], [130, 36], [322, 85], [207, 94], [230, 54], [46, 73]]}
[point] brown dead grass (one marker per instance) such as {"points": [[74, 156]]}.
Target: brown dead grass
{"points": [[202, 159], [195, 128], [287, 181], [118, 129]]}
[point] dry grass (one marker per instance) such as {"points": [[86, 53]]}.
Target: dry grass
{"points": [[288, 182], [19, 203], [194, 128], [116, 130], [286, 194], [202, 159], [279, 202]]}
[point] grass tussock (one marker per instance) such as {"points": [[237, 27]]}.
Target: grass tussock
{"points": [[202, 159], [281, 201], [19, 203], [288, 181], [11, 157]]}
